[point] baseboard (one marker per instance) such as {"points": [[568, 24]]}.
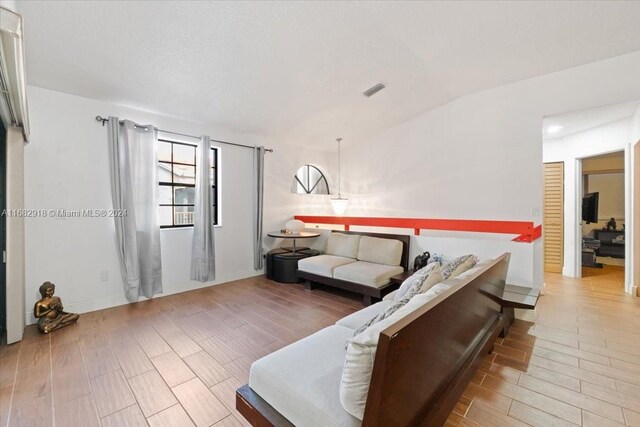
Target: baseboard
{"points": [[117, 300], [566, 272]]}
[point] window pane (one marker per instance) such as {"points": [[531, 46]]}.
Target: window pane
{"points": [[165, 215], [184, 174], [185, 195], [164, 151], [183, 215], [184, 154], [164, 172], [165, 195]]}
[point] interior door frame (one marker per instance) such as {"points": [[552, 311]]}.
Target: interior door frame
{"points": [[577, 261]]}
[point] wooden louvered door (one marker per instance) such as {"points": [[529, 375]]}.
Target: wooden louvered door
{"points": [[553, 222]]}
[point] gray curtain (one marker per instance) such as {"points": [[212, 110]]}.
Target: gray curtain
{"points": [[134, 192], [258, 205], [203, 261]]}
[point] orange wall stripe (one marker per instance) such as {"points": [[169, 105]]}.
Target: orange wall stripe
{"points": [[524, 229]]}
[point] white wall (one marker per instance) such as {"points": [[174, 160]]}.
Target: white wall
{"points": [[477, 157], [66, 166], [570, 150], [611, 189]]}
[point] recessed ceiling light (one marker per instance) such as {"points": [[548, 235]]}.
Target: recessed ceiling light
{"points": [[554, 128]]}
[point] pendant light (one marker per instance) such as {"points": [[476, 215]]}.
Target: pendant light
{"points": [[339, 204]]}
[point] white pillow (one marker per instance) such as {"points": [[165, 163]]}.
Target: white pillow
{"points": [[380, 251], [345, 245], [361, 353]]}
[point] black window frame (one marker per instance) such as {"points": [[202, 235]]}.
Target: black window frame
{"points": [[215, 186]]}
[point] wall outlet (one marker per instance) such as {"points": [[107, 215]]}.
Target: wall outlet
{"points": [[104, 275], [535, 212]]}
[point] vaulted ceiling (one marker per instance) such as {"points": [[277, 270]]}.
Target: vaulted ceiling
{"points": [[266, 67]]}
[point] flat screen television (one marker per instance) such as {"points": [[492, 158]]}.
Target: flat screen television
{"points": [[590, 207]]}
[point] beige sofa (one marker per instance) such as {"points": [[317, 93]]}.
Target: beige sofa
{"points": [[310, 382], [358, 262]]}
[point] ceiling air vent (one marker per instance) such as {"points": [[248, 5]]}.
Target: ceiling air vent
{"points": [[373, 90]]}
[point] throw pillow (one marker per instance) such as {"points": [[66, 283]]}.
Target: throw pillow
{"points": [[434, 278], [419, 275], [439, 258], [415, 289], [451, 266]]}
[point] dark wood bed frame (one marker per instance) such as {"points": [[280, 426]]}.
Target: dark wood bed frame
{"points": [[424, 361], [370, 294]]}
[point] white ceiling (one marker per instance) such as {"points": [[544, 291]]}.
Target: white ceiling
{"points": [[582, 120], [269, 67]]}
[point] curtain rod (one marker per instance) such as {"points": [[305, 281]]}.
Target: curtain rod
{"points": [[268, 150]]}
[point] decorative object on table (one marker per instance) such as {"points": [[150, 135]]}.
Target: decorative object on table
{"points": [[295, 225], [309, 180], [50, 312], [339, 204], [421, 261], [611, 225], [286, 231]]}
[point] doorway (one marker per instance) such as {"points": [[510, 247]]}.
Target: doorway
{"points": [[603, 222], [597, 154]]}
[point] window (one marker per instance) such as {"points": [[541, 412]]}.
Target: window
{"points": [[177, 179]]}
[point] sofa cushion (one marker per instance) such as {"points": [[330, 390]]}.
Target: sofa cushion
{"points": [[302, 380], [345, 245], [380, 251], [323, 265], [366, 273], [353, 321], [361, 351]]}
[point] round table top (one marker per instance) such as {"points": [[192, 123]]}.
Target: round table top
{"points": [[300, 235]]}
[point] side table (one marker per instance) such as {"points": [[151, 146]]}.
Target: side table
{"points": [[399, 278], [285, 265], [516, 297]]}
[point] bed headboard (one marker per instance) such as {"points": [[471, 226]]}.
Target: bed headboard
{"points": [[405, 239], [425, 360]]}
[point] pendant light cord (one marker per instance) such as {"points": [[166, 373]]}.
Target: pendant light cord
{"points": [[339, 167]]}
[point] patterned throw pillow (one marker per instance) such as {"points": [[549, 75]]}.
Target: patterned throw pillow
{"points": [[453, 265], [419, 275], [439, 258], [414, 289]]}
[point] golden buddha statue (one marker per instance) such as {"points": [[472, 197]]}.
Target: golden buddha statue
{"points": [[49, 310]]}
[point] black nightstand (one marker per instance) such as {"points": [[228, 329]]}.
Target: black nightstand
{"points": [[399, 278]]}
